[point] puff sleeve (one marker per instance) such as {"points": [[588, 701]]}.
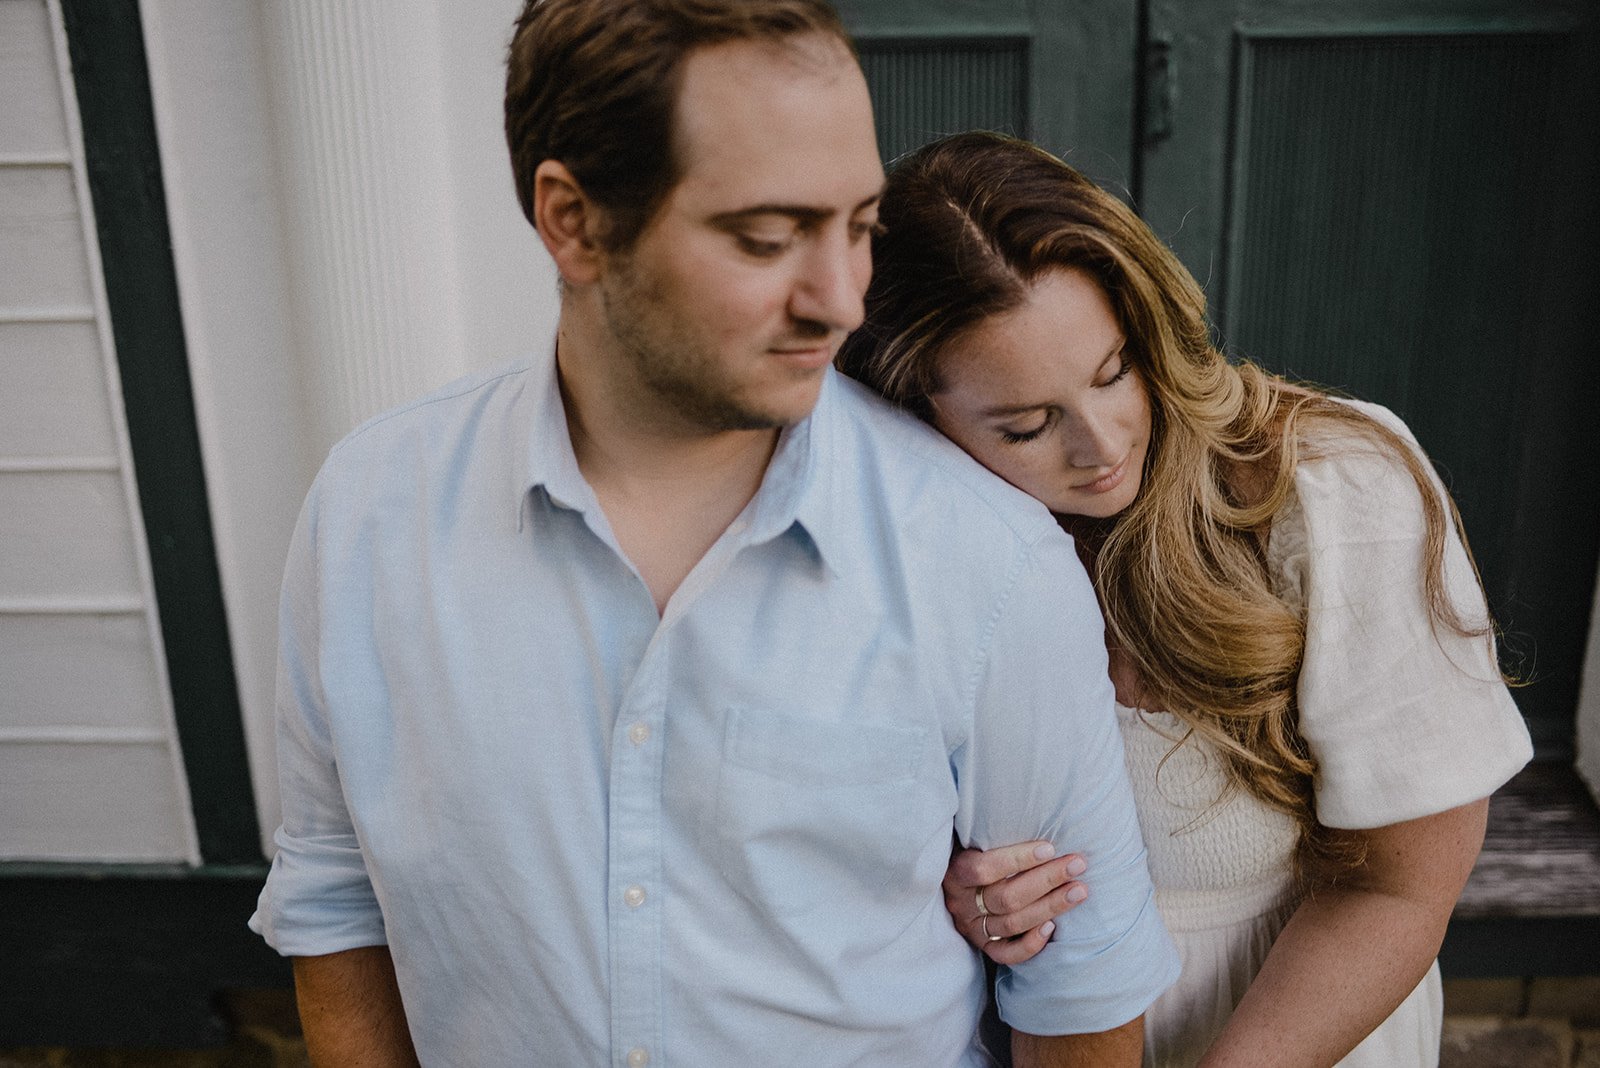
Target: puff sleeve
{"points": [[1405, 717]]}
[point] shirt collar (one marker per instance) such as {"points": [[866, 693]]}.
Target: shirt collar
{"points": [[542, 452], [798, 490], [795, 492]]}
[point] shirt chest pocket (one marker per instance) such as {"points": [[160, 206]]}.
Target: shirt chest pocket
{"points": [[813, 812]]}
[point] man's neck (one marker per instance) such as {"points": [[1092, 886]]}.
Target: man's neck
{"points": [[668, 490]]}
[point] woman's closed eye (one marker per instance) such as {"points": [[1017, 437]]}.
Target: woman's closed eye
{"points": [[1018, 435], [1123, 367]]}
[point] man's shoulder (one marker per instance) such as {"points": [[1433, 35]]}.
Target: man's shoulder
{"points": [[434, 447], [921, 474], [442, 412]]}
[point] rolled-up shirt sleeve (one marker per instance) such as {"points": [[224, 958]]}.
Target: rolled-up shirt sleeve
{"points": [[1044, 760], [318, 897]]}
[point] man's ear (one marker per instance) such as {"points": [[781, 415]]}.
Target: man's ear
{"points": [[567, 221]]}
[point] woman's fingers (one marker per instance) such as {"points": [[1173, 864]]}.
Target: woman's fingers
{"points": [[981, 867], [1017, 950], [1031, 916], [1021, 892], [995, 934], [1006, 896], [1004, 901]]}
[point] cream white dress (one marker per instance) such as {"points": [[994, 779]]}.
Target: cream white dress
{"points": [[1404, 722]]}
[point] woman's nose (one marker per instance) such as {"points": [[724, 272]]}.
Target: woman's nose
{"points": [[1091, 443]]}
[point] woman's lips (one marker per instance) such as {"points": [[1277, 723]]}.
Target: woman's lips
{"points": [[1108, 481]]}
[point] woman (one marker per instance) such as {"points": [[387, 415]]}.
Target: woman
{"points": [[1307, 688]]}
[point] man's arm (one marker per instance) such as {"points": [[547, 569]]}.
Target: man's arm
{"points": [[318, 906], [350, 1010], [1105, 1049], [1044, 761]]}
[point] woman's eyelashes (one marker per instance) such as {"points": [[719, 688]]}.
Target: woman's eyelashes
{"points": [[1049, 416], [1019, 437], [1123, 367]]}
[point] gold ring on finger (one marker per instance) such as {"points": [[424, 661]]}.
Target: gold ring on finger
{"points": [[983, 910], [986, 935]]}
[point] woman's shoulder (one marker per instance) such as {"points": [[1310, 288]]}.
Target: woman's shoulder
{"points": [[1360, 467], [1351, 422], [1342, 454], [1351, 485]]}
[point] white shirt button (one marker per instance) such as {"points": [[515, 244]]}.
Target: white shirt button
{"points": [[639, 733], [638, 1057], [634, 896]]}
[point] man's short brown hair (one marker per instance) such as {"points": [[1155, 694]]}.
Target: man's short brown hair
{"points": [[592, 83]]}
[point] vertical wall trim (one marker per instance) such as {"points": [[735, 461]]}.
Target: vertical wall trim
{"points": [[1141, 103], [105, 44]]}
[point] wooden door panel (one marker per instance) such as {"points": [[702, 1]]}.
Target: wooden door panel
{"points": [[1396, 200], [1057, 72], [922, 89]]}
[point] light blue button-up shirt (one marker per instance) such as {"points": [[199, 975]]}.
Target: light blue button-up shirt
{"points": [[591, 835]]}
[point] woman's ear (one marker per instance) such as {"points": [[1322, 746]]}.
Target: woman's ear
{"points": [[567, 221]]}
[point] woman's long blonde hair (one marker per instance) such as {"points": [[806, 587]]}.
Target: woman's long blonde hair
{"points": [[970, 222]]}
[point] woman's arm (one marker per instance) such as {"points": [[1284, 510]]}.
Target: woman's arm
{"points": [[1353, 951], [350, 1010], [1348, 956]]}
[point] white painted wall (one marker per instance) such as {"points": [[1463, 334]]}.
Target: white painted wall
{"points": [[508, 300], [346, 237]]}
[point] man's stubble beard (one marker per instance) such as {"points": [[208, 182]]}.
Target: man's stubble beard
{"points": [[674, 372]]}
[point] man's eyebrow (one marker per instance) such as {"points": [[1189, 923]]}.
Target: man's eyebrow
{"points": [[800, 213]]}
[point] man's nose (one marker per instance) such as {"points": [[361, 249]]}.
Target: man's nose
{"points": [[832, 283]]}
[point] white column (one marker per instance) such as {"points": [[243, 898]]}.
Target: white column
{"points": [[362, 175]]}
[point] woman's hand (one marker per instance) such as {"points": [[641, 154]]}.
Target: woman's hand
{"points": [[1004, 901]]}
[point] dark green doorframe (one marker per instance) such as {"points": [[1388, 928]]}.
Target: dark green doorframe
{"points": [[109, 71]]}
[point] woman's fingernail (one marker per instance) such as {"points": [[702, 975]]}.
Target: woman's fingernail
{"points": [[1076, 866], [1076, 894], [1044, 851], [1047, 928]]}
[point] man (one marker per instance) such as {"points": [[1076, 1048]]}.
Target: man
{"points": [[629, 699]]}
